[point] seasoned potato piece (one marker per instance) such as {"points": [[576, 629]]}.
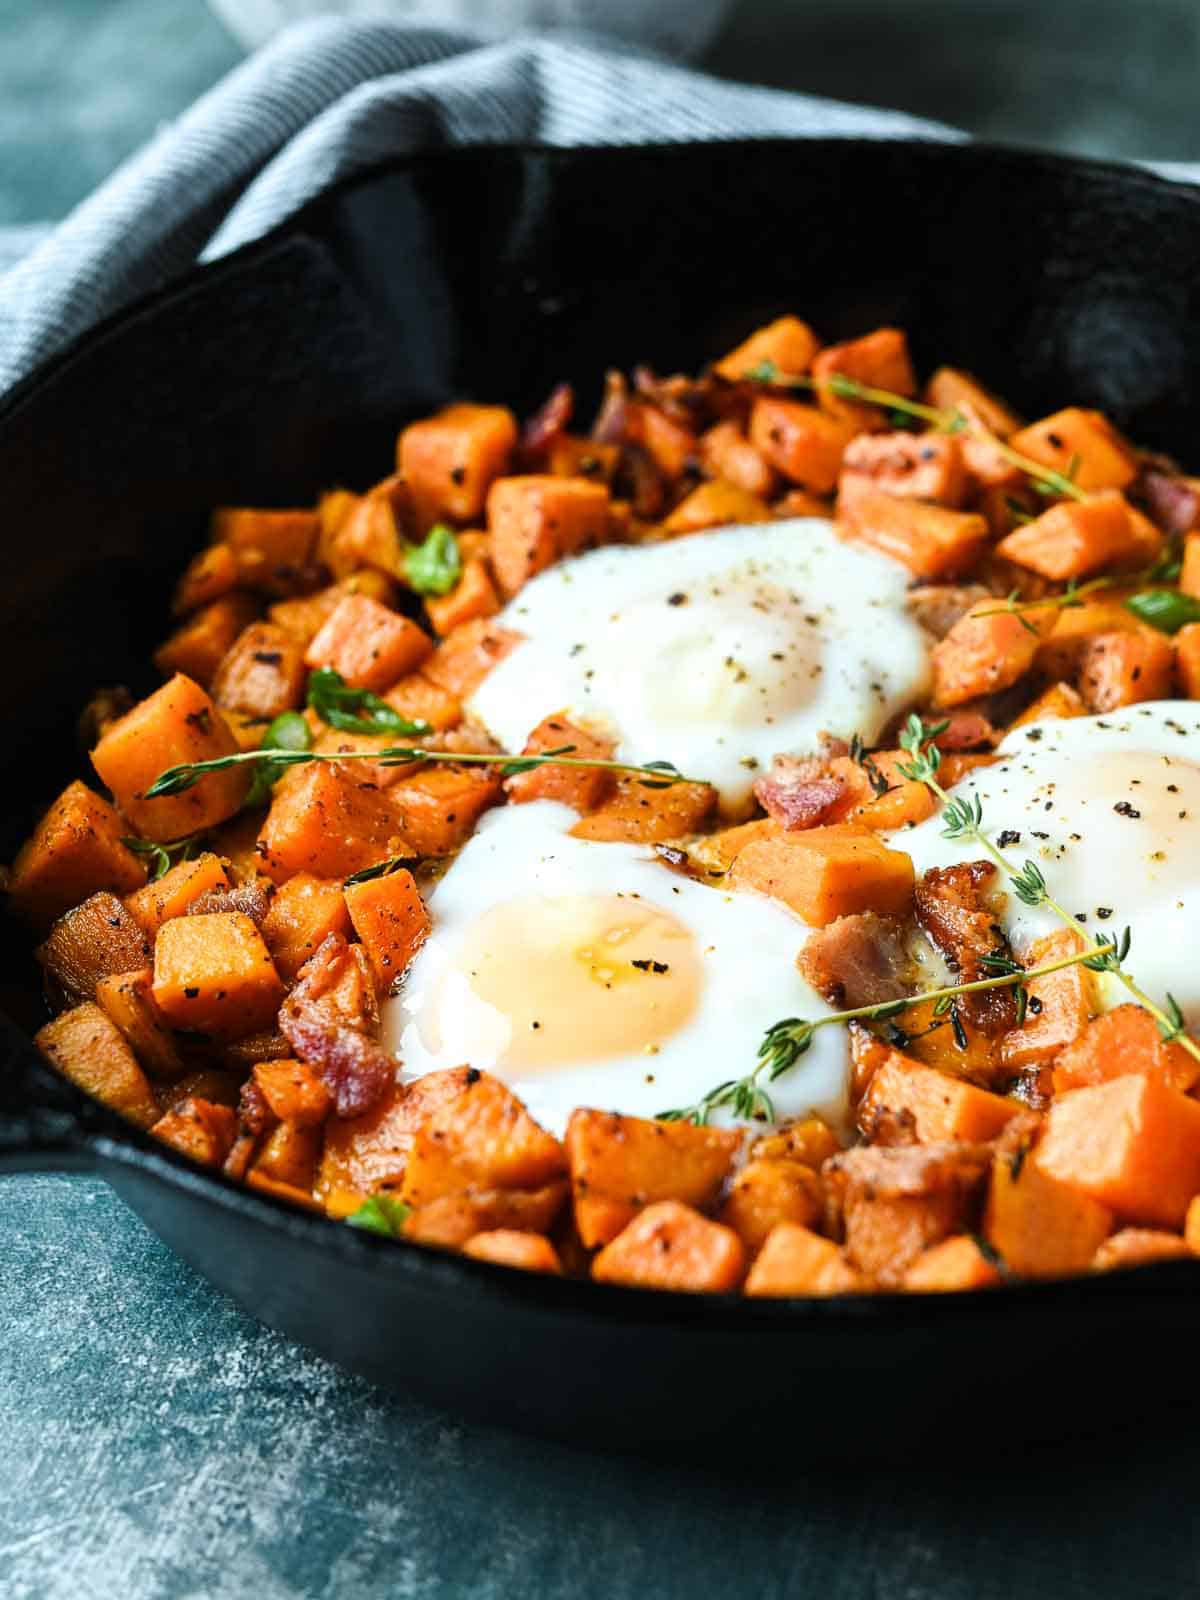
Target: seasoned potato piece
{"points": [[670, 1246], [75, 849], [89, 1049], [214, 975], [90, 942], [483, 1138]]}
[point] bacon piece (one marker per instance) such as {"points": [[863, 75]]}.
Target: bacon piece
{"points": [[247, 898], [950, 908], [1171, 501], [353, 1067], [968, 730], [799, 791], [683, 399], [857, 961], [548, 421]]}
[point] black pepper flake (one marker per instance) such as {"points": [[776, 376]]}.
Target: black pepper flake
{"points": [[1104, 912], [1008, 836], [1124, 809], [650, 966], [473, 1076], [190, 994], [1037, 835], [1033, 733], [677, 599]]}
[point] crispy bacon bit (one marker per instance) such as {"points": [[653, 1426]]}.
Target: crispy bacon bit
{"points": [[548, 421], [247, 898], [352, 1065], [938, 606], [857, 961], [968, 730], [613, 416], [1171, 501], [254, 1114], [799, 791], [950, 908]]}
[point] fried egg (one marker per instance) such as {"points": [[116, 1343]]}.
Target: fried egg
{"points": [[1108, 807], [714, 651], [586, 974]]}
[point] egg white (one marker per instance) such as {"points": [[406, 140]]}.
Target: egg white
{"points": [[746, 947], [1109, 808], [714, 651]]}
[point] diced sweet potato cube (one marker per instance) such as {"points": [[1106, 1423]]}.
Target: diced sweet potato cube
{"points": [[451, 460], [956, 1263], [464, 658], [1076, 538], [767, 1192], [885, 1235], [283, 538], [1059, 700], [391, 921], [1122, 669], [917, 466], [951, 389], [713, 504], [263, 673], [198, 1129], [1139, 1247], [1061, 653], [306, 616], [473, 596], [436, 809], [214, 975], [208, 576], [178, 888], [90, 942], [198, 647], [726, 452], [369, 1153], [581, 787], [795, 1261], [293, 1091], [879, 359], [670, 445], [1064, 1002], [570, 456], [368, 644], [811, 1141], [421, 700], [281, 1191], [986, 651], [1191, 1227], [715, 853], [670, 1246], [127, 999], [905, 800], [88, 1048], [304, 911], [800, 441], [1080, 444], [456, 1217], [941, 1107], [509, 1247], [787, 344], [639, 815], [1133, 1144], [826, 873], [536, 520], [1187, 660], [175, 726], [483, 1138], [1039, 1226], [75, 850], [369, 535], [1125, 1040], [326, 821], [289, 1154], [930, 541], [620, 1164]]}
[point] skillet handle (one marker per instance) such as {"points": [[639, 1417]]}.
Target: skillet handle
{"points": [[45, 1122]]}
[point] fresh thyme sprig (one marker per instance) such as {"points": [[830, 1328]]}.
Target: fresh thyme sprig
{"points": [[1165, 609], [785, 1042], [963, 819], [161, 858], [175, 780], [1045, 479]]}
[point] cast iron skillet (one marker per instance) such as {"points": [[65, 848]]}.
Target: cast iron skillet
{"points": [[288, 367]]}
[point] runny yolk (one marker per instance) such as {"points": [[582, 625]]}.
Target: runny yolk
{"points": [[544, 983]]}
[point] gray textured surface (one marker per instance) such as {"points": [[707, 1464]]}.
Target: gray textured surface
{"points": [[158, 1445]]}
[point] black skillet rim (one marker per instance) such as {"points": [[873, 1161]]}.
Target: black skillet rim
{"points": [[108, 1139]]}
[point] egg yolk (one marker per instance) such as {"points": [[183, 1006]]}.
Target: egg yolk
{"points": [[551, 982]]}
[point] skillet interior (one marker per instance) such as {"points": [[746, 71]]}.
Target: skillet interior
{"points": [[495, 274]]}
